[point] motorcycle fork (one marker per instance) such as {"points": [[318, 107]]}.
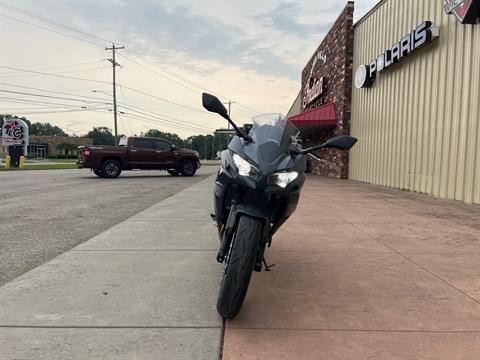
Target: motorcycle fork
{"points": [[227, 233], [227, 237], [266, 240]]}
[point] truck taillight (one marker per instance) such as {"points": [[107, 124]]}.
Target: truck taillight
{"points": [[86, 152]]}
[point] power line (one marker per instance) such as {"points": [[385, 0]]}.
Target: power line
{"points": [[50, 74], [123, 98], [48, 29], [198, 87], [105, 82], [162, 75], [56, 73], [26, 101], [94, 98], [54, 97], [157, 121], [162, 122], [38, 17], [155, 113], [53, 112], [61, 66], [53, 92], [170, 122], [43, 107], [173, 73], [162, 99]]}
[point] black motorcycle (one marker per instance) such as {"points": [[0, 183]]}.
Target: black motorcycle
{"points": [[256, 190]]}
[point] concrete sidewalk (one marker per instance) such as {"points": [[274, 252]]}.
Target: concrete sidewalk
{"points": [[365, 272], [144, 289], [362, 272]]}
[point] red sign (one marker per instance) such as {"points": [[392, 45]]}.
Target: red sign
{"points": [[14, 132], [466, 11], [313, 90]]}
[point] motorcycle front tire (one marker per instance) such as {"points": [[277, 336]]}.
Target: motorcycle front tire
{"points": [[239, 266]]}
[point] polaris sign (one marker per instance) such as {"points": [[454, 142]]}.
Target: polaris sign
{"points": [[422, 35]]}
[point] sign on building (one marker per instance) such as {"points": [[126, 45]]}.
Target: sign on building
{"points": [[407, 45], [466, 11], [14, 132]]}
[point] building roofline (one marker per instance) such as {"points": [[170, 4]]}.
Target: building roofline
{"points": [[370, 12], [350, 3]]}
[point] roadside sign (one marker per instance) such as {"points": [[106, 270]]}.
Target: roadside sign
{"points": [[14, 132]]}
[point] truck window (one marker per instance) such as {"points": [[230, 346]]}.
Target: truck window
{"points": [[143, 143], [161, 145]]}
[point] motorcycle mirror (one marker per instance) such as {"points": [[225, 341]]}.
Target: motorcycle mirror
{"points": [[213, 104], [342, 142]]}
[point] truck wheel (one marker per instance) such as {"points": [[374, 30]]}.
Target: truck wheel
{"points": [[188, 167], [173, 172], [98, 173], [111, 168], [239, 266]]}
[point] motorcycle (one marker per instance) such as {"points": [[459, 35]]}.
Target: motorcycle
{"points": [[256, 190]]}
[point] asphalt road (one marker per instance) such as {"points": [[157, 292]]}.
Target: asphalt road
{"points": [[44, 213]]}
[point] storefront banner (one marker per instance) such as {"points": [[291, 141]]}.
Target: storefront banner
{"points": [[424, 33], [315, 86], [14, 132], [314, 89]]}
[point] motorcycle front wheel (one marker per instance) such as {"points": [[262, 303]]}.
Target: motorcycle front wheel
{"points": [[239, 266]]}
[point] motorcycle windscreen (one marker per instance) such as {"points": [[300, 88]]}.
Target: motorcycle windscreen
{"points": [[270, 143]]}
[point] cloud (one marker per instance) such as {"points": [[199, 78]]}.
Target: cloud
{"points": [[154, 27], [284, 17], [250, 54]]}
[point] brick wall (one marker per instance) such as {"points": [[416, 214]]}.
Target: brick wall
{"points": [[337, 46]]}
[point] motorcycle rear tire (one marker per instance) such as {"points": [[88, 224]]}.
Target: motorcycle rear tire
{"points": [[239, 266]]}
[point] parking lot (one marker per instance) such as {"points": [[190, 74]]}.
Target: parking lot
{"points": [[47, 212]]}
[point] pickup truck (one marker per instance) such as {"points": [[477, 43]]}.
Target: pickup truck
{"points": [[146, 153]]}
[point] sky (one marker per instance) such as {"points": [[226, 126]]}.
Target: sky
{"points": [[249, 52]]}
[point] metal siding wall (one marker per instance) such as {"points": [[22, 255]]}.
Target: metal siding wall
{"points": [[419, 124]]}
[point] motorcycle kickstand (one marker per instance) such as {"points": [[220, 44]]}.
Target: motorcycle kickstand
{"points": [[267, 267]]}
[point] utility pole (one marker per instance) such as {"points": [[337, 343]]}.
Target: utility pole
{"points": [[213, 147], [228, 124], [114, 65], [229, 108]]}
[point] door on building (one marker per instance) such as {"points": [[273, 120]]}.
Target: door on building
{"points": [[41, 152], [38, 150]]}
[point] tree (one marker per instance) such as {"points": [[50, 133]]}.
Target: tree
{"points": [[207, 145], [65, 147], [46, 129], [101, 136]]}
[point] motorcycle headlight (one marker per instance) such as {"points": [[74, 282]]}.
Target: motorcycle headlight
{"points": [[282, 179], [244, 167]]}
